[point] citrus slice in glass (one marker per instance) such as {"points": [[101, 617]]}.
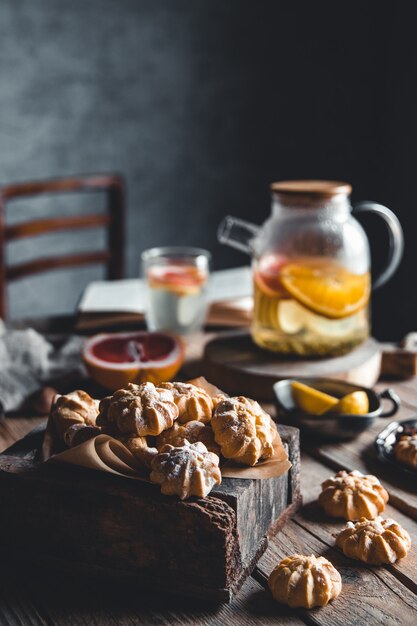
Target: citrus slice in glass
{"points": [[183, 280], [326, 288], [312, 400], [116, 359]]}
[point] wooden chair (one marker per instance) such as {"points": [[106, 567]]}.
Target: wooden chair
{"points": [[113, 220]]}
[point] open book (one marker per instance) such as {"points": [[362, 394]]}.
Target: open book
{"points": [[105, 303]]}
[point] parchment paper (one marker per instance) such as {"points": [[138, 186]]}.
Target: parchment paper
{"points": [[106, 454]]}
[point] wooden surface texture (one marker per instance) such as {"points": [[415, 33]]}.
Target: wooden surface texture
{"points": [[98, 522], [233, 362], [370, 595]]}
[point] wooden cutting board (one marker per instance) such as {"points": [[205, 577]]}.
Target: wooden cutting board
{"points": [[234, 363]]}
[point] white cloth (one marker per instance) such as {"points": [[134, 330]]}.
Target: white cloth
{"points": [[28, 361]]}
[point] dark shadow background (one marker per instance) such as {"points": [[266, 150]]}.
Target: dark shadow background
{"points": [[201, 104]]}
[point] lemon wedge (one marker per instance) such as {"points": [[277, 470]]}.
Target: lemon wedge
{"points": [[312, 400], [292, 317], [355, 403]]}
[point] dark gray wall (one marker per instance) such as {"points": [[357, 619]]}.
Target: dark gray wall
{"points": [[200, 103]]}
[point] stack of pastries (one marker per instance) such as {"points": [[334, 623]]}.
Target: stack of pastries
{"points": [[176, 431]]}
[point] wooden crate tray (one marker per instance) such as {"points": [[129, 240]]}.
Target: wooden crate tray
{"points": [[80, 520]]}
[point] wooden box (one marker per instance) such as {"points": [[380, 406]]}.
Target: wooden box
{"points": [[81, 520]]}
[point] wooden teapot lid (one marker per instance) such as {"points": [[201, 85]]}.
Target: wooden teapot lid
{"points": [[312, 189]]}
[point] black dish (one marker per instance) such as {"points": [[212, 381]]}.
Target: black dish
{"points": [[331, 426], [386, 440]]}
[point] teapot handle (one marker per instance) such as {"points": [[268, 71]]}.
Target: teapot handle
{"points": [[237, 233], [396, 239]]}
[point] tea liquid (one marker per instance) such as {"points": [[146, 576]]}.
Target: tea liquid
{"points": [[309, 306]]}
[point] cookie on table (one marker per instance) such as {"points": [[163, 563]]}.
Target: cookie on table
{"points": [[138, 410], [185, 471], [244, 432], [305, 581], [353, 495], [405, 450], [375, 541]]}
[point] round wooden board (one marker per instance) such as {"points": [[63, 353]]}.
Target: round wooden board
{"points": [[236, 365]]}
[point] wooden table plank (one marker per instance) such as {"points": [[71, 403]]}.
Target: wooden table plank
{"points": [[69, 605], [313, 519], [16, 609], [14, 428], [367, 597], [370, 595], [360, 454]]}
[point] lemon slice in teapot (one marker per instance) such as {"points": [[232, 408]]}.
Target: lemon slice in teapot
{"points": [[333, 328], [292, 317]]}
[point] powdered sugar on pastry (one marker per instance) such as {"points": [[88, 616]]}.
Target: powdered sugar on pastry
{"points": [[375, 541], [243, 430], [138, 410], [185, 471]]}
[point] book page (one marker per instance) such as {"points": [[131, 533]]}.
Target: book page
{"points": [[129, 295]]}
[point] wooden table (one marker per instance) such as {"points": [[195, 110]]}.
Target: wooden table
{"points": [[372, 596]]}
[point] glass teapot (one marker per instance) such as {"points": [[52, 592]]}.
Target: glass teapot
{"points": [[311, 268]]}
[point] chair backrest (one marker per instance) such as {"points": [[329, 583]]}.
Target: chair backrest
{"points": [[113, 220]]}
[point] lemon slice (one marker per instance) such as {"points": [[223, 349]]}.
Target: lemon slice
{"points": [[355, 403], [292, 317], [332, 328], [312, 400]]}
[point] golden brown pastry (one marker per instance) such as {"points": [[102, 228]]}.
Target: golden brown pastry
{"points": [[76, 407], [375, 541], [219, 398], [138, 410], [193, 402], [244, 432], [191, 431], [140, 449], [405, 450], [79, 433], [185, 471], [305, 581], [353, 495]]}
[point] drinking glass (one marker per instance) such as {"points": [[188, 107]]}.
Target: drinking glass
{"points": [[177, 281]]}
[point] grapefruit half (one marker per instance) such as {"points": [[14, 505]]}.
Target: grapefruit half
{"points": [[116, 359]]}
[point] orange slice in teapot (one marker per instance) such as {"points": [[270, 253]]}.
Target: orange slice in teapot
{"points": [[326, 288]]}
